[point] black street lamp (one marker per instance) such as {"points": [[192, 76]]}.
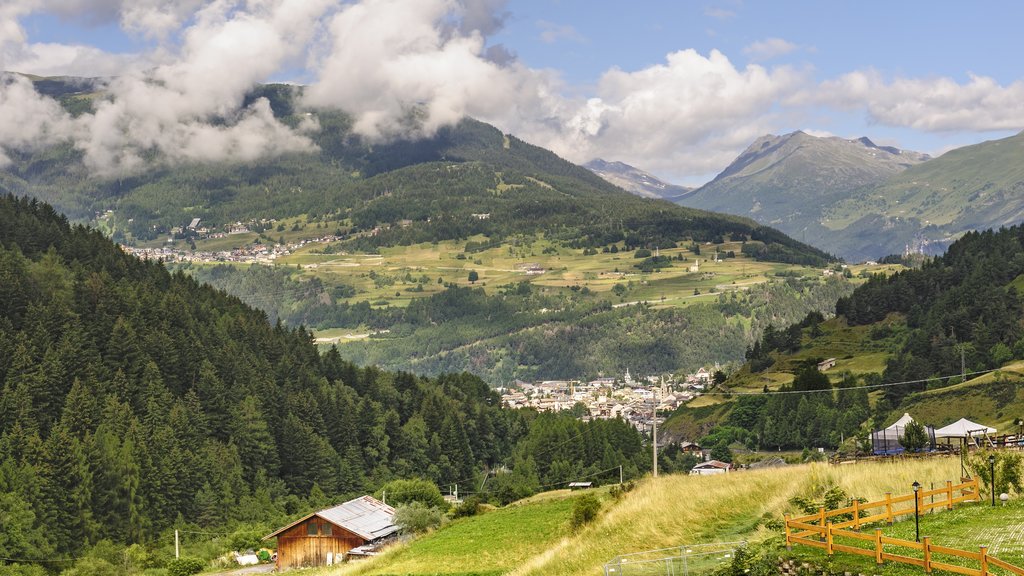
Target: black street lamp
{"points": [[917, 522], [992, 476]]}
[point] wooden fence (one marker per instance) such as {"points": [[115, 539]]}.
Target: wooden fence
{"points": [[803, 529]]}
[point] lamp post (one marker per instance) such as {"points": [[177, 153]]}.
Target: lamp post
{"points": [[992, 476], [917, 523]]}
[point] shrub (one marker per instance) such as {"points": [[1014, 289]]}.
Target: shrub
{"points": [[584, 510], [417, 517], [185, 567], [469, 507], [412, 490]]}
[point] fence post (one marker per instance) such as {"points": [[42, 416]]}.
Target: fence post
{"points": [[878, 546], [789, 543], [856, 514], [984, 560], [949, 494], [828, 539], [977, 493], [888, 507], [927, 554], [821, 519]]}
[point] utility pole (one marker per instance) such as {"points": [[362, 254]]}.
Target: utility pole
{"points": [[177, 551], [963, 366], [620, 474], [654, 437]]}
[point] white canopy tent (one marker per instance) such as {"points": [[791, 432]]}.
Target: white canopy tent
{"points": [[964, 428], [887, 440], [894, 431]]}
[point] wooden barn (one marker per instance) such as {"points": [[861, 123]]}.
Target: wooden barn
{"points": [[326, 537]]}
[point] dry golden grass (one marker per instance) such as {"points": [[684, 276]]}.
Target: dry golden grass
{"points": [[659, 513]]}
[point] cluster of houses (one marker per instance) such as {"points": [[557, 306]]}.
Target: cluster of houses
{"points": [[250, 254], [634, 400]]}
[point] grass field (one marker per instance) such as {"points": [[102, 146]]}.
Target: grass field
{"points": [[399, 274], [534, 538]]}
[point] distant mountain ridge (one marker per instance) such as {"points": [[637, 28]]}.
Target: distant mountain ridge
{"points": [[928, 206], [637, 181], [790, 181], [402, 192]]}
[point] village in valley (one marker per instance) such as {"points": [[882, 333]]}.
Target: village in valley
{"points": [[636, 401]]}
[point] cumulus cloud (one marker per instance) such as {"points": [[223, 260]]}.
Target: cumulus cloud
{"points": [[933, 104], [402, 70], [769, 48], [28, 121], [688, 115]]}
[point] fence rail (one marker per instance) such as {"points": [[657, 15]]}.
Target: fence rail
{"points": [[802, 529]]}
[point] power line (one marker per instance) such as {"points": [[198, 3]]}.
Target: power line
{"points": [[852, 388], [51, 561]]}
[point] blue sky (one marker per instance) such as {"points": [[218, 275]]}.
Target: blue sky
{"points": [[677, 88]]}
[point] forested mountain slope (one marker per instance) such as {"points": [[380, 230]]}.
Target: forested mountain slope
{"points": [[132, 400], [404, 191]]}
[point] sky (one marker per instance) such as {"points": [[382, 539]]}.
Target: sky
{"points": [[678, 88]]}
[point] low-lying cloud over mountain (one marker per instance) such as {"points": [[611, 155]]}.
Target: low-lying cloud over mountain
{"points": [[407, 67]]}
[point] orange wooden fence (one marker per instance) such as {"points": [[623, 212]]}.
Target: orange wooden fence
{"points": [[803, 529]]}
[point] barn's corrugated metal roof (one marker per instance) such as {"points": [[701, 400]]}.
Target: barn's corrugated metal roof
{"points": [[365, 517]]}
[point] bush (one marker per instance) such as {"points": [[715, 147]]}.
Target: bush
{"points": [[584, 510], [91, 566], [417, 517], [469, 507], [412, 490], [185, 567]]}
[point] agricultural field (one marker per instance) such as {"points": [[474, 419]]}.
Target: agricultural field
{"points": [[398, 274]]}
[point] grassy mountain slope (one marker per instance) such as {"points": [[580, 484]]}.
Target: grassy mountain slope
{"points": [[970, 188], [788, 181], [657, 514]]}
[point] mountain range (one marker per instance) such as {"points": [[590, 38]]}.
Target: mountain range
{"points": [[790, 181], [394, 193], [861, 201], [635, 180]]}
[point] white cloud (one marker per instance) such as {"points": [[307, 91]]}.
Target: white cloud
{"points": [[769, 48], [28, 121], [687, 116], [551, 33], [401, 70], [932, 104], [50, 59]]}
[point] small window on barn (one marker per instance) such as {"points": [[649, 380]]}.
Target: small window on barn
{"points": [[311, 529], [326, 530]]}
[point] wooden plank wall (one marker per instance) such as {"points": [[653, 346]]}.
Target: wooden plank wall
{"points": [[297, 548]]}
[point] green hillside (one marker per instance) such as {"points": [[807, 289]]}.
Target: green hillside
{"points": [[536, 537], [791, 181], [969, 188], [900, 344]]}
